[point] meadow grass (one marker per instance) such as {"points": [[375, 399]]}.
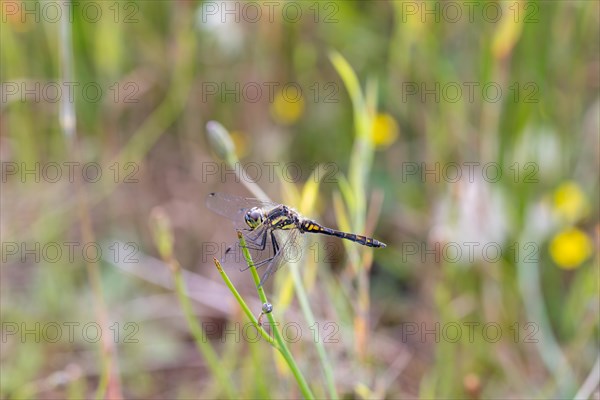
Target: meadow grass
{"points": [[542, 131]]}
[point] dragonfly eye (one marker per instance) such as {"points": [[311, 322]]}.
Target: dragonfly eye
{"points": [[254, 217]]}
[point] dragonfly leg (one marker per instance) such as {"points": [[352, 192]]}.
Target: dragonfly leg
{"points": [[259, 247], [261, 263], [276, 249], [258, 264], [251, 243], [275, 244], [270, 268]]}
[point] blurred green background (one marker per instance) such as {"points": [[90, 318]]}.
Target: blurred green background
{"points": [[379, 105]]}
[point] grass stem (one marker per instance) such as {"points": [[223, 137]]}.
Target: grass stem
{"points": [[283, 349]]}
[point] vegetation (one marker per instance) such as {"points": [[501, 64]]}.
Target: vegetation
{"points": [[463, 135]]}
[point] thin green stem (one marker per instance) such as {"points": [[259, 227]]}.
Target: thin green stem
{"points": [[221, 142], [163, 238], [283, 349], [244, 306], [528, 275], [204, 347], [109, 382], [310, 319], [361, 159]]}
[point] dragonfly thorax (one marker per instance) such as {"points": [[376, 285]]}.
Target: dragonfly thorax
{"points": [[254, 217]]}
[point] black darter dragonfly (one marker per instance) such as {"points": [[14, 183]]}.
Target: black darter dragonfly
{"points": [[270, 230]]}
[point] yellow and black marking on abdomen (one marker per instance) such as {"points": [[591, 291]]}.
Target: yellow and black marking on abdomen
{"points": [[313, 227]]}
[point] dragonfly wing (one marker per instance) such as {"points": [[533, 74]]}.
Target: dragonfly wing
{"points": [[234, 207], [267, 256], [259, 244], [290, 250]]}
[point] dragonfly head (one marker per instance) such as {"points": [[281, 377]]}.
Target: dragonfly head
{"points": [[254, 217]]}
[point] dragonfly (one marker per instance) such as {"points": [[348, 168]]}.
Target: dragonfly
{"points": [[271, 230]]}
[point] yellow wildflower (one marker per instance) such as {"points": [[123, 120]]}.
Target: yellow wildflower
{"points": [[570, 203], [288, 105], [570, 248], [385, 130]]}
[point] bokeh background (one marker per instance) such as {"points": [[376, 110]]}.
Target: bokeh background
{"points": [[436, 127]]}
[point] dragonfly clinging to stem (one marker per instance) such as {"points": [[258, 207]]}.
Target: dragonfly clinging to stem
{"points": [[271, 228]]}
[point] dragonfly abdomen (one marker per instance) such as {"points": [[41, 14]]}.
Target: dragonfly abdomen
{"points": [[313, 227]]}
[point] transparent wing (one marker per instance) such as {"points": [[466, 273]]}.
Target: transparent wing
{"points": [[269, 249], [290, 250], [234, 207]]}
